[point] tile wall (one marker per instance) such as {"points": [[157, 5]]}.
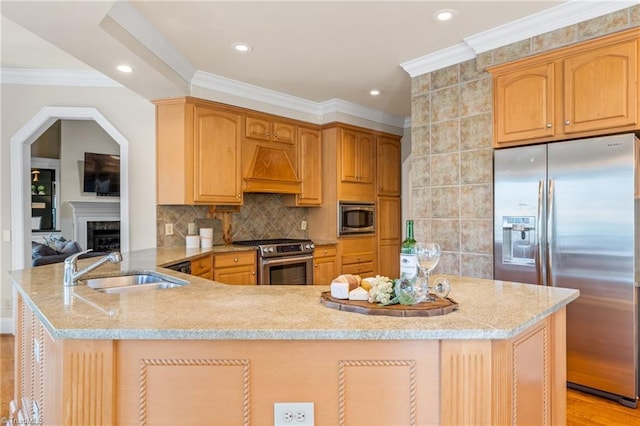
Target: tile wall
{"points": [[261, 216], [452, 154]]}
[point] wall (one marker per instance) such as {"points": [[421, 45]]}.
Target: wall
{"points": [[48, 144], [452, 155], [132, 115]]}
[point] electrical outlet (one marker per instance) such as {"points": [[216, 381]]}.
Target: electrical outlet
{"points": [[168, 229], [293, 414], [303, 225], [191, 229]]}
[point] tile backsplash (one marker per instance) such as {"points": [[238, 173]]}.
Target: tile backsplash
{"points": [[261, 216]]}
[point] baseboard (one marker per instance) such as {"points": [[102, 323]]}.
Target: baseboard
{"points": [[7, 326]]}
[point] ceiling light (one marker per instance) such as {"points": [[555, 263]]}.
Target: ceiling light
{"points": [[242, 47], [444, 15], [124, 68], [374, 92]]}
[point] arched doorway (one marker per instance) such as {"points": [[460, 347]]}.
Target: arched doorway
{"points": [[20, 174]]}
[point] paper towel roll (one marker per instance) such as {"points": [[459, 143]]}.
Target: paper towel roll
{"points": [[206, 232], [193, 241], [206, 242]]}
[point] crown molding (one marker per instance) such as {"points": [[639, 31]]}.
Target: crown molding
{"points": [[135, 24], [271, 97], [561, 16], [442, 58], [56, 77]]}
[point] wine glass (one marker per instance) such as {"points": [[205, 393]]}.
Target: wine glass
{"points": [[428, 256]]}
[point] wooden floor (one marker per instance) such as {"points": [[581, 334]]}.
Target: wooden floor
{"points": [[582, 409]]}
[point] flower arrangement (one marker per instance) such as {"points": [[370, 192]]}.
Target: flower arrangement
{"points": [[386, 291]]}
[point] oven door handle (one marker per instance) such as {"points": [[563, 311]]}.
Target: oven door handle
{"points": [[285, 260]]}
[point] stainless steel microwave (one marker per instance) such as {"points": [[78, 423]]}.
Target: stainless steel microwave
{"points": [[356, 218]]}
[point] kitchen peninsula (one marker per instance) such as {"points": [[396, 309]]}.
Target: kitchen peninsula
{"points": [[214, 354]]}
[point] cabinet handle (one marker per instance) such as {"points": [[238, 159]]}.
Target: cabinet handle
{"points": [[549, 125], [567, 122]]}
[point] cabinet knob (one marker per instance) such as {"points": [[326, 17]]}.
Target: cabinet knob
{"points": [[235, 259], [253, 273], [237, 195], [567, 122], [549, 125], [315, 266]]}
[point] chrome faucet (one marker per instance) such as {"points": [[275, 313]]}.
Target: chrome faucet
{"points": [[71, 274]]}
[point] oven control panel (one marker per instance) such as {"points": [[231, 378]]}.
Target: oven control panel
{"points": [[286, 249]]}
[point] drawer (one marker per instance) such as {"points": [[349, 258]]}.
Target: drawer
{"points": [[225, 260], [201, 265], [358, 268], [357, 258], [325, 251]]}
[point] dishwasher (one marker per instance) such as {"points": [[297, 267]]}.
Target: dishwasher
{"points": [[184, 267]]}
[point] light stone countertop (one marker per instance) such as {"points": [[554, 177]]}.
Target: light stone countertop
{"points": [[208, 310]]}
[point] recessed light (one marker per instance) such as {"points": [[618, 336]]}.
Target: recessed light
{"points": [[374, 92], [444, 15], [124, 68], [242, 47]]}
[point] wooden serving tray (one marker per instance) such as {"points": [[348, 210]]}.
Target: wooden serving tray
{"points": [[424, 309]]}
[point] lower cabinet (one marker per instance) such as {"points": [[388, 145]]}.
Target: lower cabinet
{"points": [[358, 255], [202, 267], [325, 264], [389, 236], [235, 268]]}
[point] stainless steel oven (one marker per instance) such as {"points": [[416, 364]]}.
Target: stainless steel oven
{"points": [[283, 261]]}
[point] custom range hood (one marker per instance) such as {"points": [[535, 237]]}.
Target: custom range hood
{"points": [[270, 168]]}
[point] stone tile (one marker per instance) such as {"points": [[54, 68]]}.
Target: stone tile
{"points": [[634, 16], [445, 202], [445, 77], [420, 110], [477, 236], [476, 166], [421, 203], [470, 70], [602, 25], [475, 97], [554, 39], [445, 169], [476, 265], [421, 84], [420, 137], [422, 229], [476, 201], [445, 136], [449, 264], [446, 232], [484, 60], [512, 51], [420, 171], [444, 104], [476, 132]]}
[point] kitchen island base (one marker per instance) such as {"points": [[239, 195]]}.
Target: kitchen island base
{"points": [[521, 380]]}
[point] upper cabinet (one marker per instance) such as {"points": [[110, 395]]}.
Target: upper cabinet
{"points": [[268, 129], [198, 152], [388, 179], [356, 159], [583, 90], [310, 166]]}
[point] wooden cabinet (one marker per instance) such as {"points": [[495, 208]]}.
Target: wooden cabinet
{"points": [[235, 268], [388, 236], [198, 152], [325, 264], [357, 165], [588, 89], [202, 267], [358, 255], [309, 167], [388, 168], [266, 128]]}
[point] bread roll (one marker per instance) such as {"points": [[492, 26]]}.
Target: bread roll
{"points": [[352, 280]]}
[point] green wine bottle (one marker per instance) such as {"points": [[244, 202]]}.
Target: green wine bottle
{"points": [[408, 261]]}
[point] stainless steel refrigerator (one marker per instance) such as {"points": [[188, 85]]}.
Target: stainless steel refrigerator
{"points": [[566, 215]]}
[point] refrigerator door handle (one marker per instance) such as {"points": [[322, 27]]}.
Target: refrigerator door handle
{"points": [[539, 233], [550, 233]]}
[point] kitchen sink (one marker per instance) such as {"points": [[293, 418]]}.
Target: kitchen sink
{"points": [[133, 281]]}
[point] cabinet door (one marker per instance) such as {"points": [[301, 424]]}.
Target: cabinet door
{"points": [[524, 104], [310, 167], [257, 128], [601, 88], [366, 164], [325, 264], [348, 156], [241, 275], [217, 172], [284, 132], [389, 236], [388, 160]]}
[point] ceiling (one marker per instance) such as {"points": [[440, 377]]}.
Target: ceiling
{"points": [[303, 51]]}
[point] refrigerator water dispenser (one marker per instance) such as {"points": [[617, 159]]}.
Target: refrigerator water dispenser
{"points": [[518, 240]]}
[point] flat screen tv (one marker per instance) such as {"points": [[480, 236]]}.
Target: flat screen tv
{"points": [[102, 174]]}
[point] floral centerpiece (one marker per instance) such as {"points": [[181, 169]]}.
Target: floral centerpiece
{"points": [[386, 291]]}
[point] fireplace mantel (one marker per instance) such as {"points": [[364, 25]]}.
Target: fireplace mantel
{"points": [[91, 211]]}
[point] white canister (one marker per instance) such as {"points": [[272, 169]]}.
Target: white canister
{"points": [[206, 233], [206, 242], [193, 241]]}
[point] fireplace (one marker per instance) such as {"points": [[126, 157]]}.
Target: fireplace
{"points": [[103, 235], [91, 216]]}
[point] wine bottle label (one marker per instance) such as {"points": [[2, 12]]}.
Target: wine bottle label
{"points": [[408, 265]]}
